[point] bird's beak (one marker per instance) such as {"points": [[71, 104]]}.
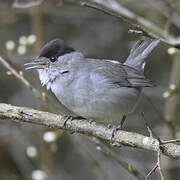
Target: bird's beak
{"points": [[38, 63]]}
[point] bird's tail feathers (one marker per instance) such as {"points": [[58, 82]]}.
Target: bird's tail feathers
{"points": [[139, 52]]}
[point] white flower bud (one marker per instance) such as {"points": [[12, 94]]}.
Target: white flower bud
{"points": [[172, 87], [23, 40], [39, 175], [31, 151], [166, 94], [31, 39], [172, 51], [21, 50], [49, 136], [10, 45]]}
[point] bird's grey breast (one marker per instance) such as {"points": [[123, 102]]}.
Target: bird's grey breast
{"points": [[72, 88], [89, 94]]}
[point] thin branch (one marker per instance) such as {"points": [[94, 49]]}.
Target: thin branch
{"points": [[152, 134], [21, 78], [131, 139], [164, 9], [170, 141], [23, 5], [40, 95], [159, 162], [151, 171], [158, 165], [111, 13], [114, 9]]}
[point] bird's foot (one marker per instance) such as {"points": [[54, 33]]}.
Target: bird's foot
{"points": [[116, 128], [109, 126], [92, 121], [114, 131], [67, 118], [71, 118]]}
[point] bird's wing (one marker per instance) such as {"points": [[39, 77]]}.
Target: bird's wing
{"points": [[119, 74], [137, 78]]}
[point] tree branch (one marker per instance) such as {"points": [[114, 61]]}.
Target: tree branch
{"points": [[21, 78], [131, 139], [23, 5], [138, 23], [40, 95], [164, 10]]}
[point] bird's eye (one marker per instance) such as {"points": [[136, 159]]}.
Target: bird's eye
{"points": [[53, 59]]}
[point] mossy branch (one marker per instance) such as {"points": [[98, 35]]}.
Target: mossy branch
{"points": [[131, 139]]}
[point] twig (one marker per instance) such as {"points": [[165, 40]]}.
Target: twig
{"points": [[147, 126], [52, 104], [21, 78], [159, 162], [170, 141], [131, 139], [111, 13], [158, 165], [161, 7], [132, 31], [152, 134], [14, 72], [23, 5], [151, 171], [160, 143], [127, 16]]}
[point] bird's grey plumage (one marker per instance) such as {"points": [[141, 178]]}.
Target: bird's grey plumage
{"points": [[102, 90], [119, 74], [139, 52]]}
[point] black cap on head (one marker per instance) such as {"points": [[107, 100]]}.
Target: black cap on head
{"points": [[55, 48]]}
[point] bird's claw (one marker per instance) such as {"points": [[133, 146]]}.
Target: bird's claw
{"points": [[71, 118], [67, 118], [109, 126], [114, 131]]}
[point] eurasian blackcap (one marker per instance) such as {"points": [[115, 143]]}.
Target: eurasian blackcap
{"points": [[96, 89]]}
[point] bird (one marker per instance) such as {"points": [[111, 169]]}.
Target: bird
{"points": [[102, 90]]}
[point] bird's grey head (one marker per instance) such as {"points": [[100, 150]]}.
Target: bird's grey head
{"points": [[52, 61]]}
